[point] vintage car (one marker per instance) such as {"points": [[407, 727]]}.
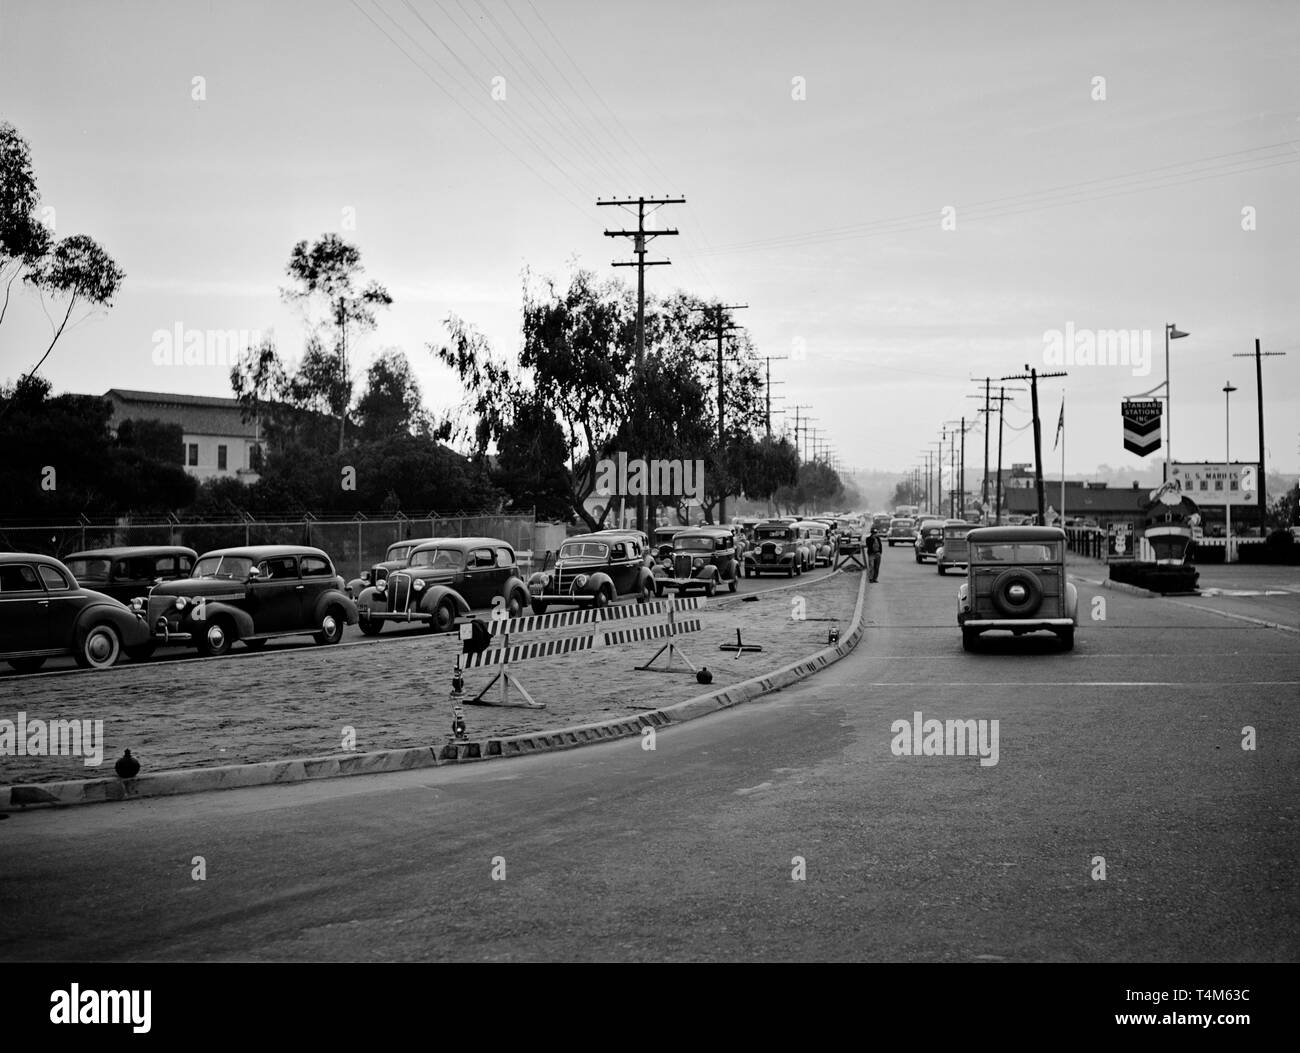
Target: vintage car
{"points": [[396, 556], [251, 594], [593, 570], [880, 523], [700, 558], [125, 573], [818, 541], [954, 552], [443, 580], [45, 613], [902, 531], [777, 549], [1016, 581], [661, 541], [929, 536]]}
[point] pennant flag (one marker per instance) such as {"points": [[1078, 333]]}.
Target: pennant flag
{"points": [[1060, 426], [1141, 425]]}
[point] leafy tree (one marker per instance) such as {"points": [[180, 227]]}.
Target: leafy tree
{"points": [[391, 404], [530, 462], [24, 240], [327, 273], [908, 493]]}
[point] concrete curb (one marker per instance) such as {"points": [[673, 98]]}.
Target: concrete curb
{"points": [[1238, 617], [269, 773], [1132, 590]]}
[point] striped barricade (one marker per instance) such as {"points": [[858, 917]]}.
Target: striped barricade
{"points": [[507, 653]]}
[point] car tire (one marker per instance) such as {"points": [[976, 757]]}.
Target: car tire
{"points": [[659, 592], [789, 571], [370, 626], [332, 626], [919, 559], [100, 648], [1066, 637], [1003, 583], [939, 566], [603, 597], [216, 638], [444, 616], [733, 584], [516, 603], [969, 640], [27, 665], [647, 592], [255, 645], [538, 607], [710, 587]]}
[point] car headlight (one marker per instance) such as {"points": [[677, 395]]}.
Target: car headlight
{"points": [[580, 581], [699, 562], [418, 585], [381, 584], [181, 603], [137, 603]]}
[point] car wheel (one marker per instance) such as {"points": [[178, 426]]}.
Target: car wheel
{"points": [[254, 645], [940, 568], [100, 648], [1017, 593], [659, 592], [647, 593], [733, 584], [710, 587], [516, 604], [538, 607], [1066, 637], [918, 557], [331, 627], [216, 638], [604, 597], [142, 652], [789, 571], [444, 617], [969, 640], [370, 626], [27, 665]]}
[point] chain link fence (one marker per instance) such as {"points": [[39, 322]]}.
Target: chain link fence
{"points": [[353, 544]]}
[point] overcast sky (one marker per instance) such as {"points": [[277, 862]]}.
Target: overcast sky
{"points": [[1101, 162]]}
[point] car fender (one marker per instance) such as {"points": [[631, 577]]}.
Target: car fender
{"points": [[435, 594], [963, 600], [372, 597], [334, 598], [356, 587], [1071, 602], [708, 572], [132, 630], [242, 619], [596, 581], [538, 581], [516, 582]]}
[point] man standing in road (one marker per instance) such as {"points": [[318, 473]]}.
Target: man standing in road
{"points": [[874, 549]]}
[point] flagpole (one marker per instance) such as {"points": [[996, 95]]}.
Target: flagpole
{"points": [[1062, 458]]}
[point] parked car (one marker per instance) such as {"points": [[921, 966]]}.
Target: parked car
{"points": [[45, 613], [661, 541], [929, 536], [252, 594], [445, 579], [954, 552], [776, 550], [902, 531], [125, 573], [593, 570], [395, 558], [701, 558], [1016, 581]]}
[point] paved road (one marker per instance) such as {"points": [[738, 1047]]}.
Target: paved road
{"points": [[1128, 748]]}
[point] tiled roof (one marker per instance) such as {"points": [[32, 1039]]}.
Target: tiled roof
{"points": [[196, 414]]}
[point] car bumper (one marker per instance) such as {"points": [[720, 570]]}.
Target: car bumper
{"points": [[1015, 624], [373, 615]]}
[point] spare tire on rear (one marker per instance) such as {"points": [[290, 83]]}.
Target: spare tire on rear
{"points": [[1017, 593]]}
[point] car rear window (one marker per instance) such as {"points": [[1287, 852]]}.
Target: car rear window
{"points": [[89, 569], [1019, 552], [18, 577]]}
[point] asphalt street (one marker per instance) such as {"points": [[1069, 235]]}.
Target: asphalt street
{"points": [[1122, 821]]}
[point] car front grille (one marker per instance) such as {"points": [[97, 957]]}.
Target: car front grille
{"points": [[681, 566], [399, 591]]}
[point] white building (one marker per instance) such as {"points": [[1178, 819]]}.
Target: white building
{"points": [[217, 442]]}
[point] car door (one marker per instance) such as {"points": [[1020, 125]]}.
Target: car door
{"points": [[64, 605], [274, 597], [480, 578], [24, 610]]}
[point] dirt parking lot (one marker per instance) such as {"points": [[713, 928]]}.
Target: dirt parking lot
{"points": [[394, 692]]}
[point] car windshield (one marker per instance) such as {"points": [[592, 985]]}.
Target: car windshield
{"points": [[232, 568], [397, 553], [663, 537], [89, 569], [694, 544], [438, 559], [772, 534], [584, 550], [1019, 552]]}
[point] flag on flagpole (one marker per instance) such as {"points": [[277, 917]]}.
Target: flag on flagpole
{"points": [[1060, 425]]}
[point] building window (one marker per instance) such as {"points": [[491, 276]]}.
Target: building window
{"points": [[221, 458], [193, 459]]}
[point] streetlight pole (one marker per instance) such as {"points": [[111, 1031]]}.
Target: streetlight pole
{"points": [[1172, 332], [1228, 389]]}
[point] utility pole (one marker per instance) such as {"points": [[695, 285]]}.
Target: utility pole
{"points": [[721, 329], [796, 428], [640, 239], [1001, 400], [1259, 389], [768, 388], [1033, 376], [984, 487]]}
